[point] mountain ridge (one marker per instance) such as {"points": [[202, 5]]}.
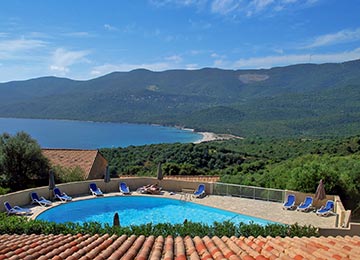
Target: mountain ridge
{"points": [[286, 101]]}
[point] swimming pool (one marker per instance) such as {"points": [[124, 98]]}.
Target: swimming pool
{"points": [[136, 210]]}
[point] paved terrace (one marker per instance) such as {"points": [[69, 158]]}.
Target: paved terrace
{"points": [[262, 209]]}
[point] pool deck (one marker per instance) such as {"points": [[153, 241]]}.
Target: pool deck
{"points": [[257, 208]]}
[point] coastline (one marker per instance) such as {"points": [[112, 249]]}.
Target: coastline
{"points": [[209, 136], [205, 136]]}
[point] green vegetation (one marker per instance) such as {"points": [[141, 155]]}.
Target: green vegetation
{"points": [[21, 225], [22, 163], [295, 164], [178, 159], [4, 190], [63, 174], [304, 100]]}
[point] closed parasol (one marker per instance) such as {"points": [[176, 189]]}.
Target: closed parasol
{"points": [[51, 180], [51, 183], [116, 221], [320, 191], [107, 175], [159, 172]]}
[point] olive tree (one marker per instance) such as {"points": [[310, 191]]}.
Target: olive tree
{"points": [[21, 161]]}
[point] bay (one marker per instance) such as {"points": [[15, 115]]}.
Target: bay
{"points": [[94, 135]]}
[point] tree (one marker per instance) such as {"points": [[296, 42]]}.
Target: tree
{"points": [[21, 161]]}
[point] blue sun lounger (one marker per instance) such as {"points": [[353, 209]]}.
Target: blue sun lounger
{"points": [[124, 189], [200, 192], [95, 190], [61, 195], [16, 210], [41, 201], [290, 202], [306, 205], [326, 210]]}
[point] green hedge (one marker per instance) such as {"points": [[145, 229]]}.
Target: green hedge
{"points": [[22, 225]]}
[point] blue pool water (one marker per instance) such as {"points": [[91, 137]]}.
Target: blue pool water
{"points": [[136, 210], [93, 135]]}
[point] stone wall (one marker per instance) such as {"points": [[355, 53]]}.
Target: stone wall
{"points": [[22, 198], [352, 230], [343, 216]]}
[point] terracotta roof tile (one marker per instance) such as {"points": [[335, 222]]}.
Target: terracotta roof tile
{"points": [[124, 247], [168, 248], [71, 158], [157, 248]]}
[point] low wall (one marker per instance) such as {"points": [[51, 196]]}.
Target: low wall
{"points": [[22, 198], [343, 216], [352, 230]]}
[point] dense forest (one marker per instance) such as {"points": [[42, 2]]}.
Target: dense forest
{"points": [[298, 100], [294, 164]]}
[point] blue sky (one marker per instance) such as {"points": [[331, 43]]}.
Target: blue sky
{"points": [[83, 39]]}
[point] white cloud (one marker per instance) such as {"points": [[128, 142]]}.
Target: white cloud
{"points": [[289, 1], [14, 49], [335, 38], [161, 3], [224, 7], [109, 27], [311, 2], [78, 34], [283, 60], [62, 59], [20, 45], [219, 60], [278, 50], [261, 4], [217, 56], [130, 28], [198, 52], [219, 63], [174, 58], [232, 8], [192, 66]]}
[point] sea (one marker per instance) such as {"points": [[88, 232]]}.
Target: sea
{"points": [[69, 134]]}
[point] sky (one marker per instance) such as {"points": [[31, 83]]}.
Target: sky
{"points": [[84, 39]]}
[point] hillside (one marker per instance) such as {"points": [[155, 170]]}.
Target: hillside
{"points": [[298, 100]]}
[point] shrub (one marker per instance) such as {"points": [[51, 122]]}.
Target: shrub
{"points": [[63, 174], [22, 225], [4, 190], [21, 161]]}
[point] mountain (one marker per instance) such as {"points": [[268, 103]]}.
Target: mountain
{"points": [[297, 100]]}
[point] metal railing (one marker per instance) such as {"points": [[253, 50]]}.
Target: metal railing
{"points": [[251, 192]]}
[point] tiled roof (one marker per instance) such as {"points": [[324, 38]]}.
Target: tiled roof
{"points": [[70, 158], [86, 247], [199, 178]]}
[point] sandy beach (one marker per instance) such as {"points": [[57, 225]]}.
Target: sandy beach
{"points": [[209, 136]]}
